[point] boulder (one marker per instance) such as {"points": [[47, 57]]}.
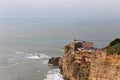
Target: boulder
{"points": [[54, 61]]}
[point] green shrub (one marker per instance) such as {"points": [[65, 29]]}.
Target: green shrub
{"points": [[114, 47], [115, 42]]}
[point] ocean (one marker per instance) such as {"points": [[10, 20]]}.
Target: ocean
{"points": [[23, 40]]}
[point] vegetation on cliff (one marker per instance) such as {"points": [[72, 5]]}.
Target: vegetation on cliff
{"points": [[113, 47]]}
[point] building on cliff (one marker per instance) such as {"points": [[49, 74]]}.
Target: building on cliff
{"points": [[81, 44]]}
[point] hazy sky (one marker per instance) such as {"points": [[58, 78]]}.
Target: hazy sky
{"points": [[100, 9]]}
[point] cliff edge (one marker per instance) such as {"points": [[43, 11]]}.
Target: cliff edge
{"points": [[81, 61]]}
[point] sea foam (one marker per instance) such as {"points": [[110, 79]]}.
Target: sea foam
{"points": [[54, 74], [38, 56], [19, 52]]}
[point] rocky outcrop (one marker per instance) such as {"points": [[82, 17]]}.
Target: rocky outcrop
{"points": [[81, 61], [54, 61]]}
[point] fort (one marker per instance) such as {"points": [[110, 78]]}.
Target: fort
{"points": [[81, 44]]}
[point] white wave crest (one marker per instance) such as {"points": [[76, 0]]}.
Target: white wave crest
{"points": [[54, 74], [19, 52], [38, 56]]}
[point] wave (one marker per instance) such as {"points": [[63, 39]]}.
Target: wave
{"points": [[38, 56], [19, 52], [54, 74]]}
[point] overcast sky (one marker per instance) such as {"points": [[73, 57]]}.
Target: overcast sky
{"points": [[105, 9]]}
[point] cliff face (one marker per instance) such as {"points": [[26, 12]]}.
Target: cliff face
{"points": [[105, 69], [88, 63]]}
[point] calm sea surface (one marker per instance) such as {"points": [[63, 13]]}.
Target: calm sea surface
{"points": [[23, 40]]}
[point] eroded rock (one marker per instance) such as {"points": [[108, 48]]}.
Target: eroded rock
{"points": [[54, 61]]}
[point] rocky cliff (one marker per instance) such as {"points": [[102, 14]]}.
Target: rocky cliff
{"points": [[81, 61]]}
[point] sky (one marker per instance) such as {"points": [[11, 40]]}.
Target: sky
{"points": [[84, 9]]}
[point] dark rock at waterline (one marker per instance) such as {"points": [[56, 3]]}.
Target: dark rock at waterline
{"points": [[54, 61]]}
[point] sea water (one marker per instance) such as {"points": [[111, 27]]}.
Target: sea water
{"points": [[27, 44]]}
